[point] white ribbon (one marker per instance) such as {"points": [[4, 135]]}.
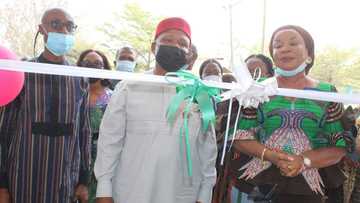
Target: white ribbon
{"points": [[244, 83], [248, 92], [259, 92]]}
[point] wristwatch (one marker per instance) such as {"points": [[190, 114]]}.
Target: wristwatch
{"points": [[307, 161]]}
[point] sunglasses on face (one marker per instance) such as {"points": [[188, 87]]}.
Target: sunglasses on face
{"points": [[96, 64], [58, 25]]}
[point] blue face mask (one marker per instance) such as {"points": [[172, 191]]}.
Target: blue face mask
{"points": [[291, 73], [59, 44], [125, 65]]}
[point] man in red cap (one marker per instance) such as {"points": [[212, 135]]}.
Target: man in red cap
{"points": [[141, 157], [171, 46]]}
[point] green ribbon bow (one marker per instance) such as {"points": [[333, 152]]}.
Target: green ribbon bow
{"points": [[191, 89]]}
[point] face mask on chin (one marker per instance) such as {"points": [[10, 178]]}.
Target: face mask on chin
{"points": [[171, 58], [291, 73]]}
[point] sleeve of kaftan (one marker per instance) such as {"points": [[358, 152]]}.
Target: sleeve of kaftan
{"points": [[85, 140], [111, 140], [208, 152], [8, 121], [334, 129], [248, 122]]}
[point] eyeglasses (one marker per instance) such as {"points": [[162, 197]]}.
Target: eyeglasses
{"points": [[58, 25], [96, 64]]}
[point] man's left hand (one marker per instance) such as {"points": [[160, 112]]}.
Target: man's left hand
{"points": [[82, 193]]}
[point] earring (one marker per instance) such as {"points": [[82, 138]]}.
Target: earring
{"points": [[308, 60]]}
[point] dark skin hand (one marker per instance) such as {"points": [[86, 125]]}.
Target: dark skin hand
{"points": [[280, 159], [292, 165], [104, 200], [82, 193], [4, 195], [295, 167], [254, 148], [320, 158]]}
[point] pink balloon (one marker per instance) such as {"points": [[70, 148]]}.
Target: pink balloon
{"points": [[11, 82]]}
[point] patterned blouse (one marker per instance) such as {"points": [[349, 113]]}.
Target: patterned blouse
{"points": [[294, 127], [96, 113]]}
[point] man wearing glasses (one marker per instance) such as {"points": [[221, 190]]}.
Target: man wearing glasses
{"points": [[45, 133]]}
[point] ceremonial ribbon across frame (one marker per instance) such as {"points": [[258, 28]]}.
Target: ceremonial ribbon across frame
{"points": [[192, 90]]}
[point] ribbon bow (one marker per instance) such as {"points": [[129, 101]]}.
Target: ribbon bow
{"points": [[192, 90], [255, 94]]}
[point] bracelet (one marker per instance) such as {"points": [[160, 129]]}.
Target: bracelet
{"points": [[262, 157]]}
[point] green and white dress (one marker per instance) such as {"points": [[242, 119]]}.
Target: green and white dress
{"points": [[294, 126]]}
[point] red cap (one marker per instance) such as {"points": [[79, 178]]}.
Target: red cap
{"points": [[173, 23]]}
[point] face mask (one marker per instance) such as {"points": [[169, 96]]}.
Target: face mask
{"points": [[59, 44], [214, 78], [171, 58], [125, 65], [103, 82], [290, 73], [93, 80]]}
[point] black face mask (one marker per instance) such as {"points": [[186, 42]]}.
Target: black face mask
{"points": [[93, 80], [103, 82], [171, 58]]}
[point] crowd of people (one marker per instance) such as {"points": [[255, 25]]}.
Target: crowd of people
{"points": [[69, 139]]}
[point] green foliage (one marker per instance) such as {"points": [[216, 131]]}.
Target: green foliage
{"points": [[339, 67], [135, 27], [351, 76], [79, 46]]}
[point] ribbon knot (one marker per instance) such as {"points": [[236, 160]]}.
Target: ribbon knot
{"points": [[191, 90]]}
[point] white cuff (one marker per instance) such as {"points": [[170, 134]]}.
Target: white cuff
{"points": [[104, 188]]}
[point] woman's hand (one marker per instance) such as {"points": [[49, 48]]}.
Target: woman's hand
{"points": [[295, 167], [279, 159]]}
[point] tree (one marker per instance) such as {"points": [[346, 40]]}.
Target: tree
{"points": [[20, 19], [79, 46], [331, 63], [136, 27], [350, 76]]}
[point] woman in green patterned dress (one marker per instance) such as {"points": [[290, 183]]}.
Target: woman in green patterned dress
{"points": [[295, 144]]}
